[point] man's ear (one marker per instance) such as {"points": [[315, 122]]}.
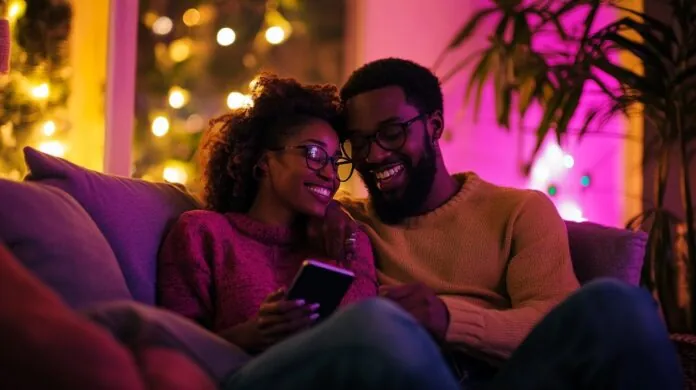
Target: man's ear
{"points": [[262, 164], [436, 124]]}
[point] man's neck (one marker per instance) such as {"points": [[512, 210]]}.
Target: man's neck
{"points": [[443, 189]]}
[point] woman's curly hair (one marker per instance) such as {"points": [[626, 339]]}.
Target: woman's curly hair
{"points": [[236, 141]]}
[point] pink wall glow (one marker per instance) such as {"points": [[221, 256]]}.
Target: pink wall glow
{"points": [[419, 30]]}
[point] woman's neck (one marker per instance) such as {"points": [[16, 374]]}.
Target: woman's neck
{"points": [[269, 211]]}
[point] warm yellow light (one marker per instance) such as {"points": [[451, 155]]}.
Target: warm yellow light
{"points": [[236, 100], [41, 91], [160, 126], [192, 17], [162, 26], [178, 97], [226, 36], [174, 174], [54, 148], [180, 50], [194, 123], [49, 128], [252, 83], [275, 35], [150, 18], [15, 10]]}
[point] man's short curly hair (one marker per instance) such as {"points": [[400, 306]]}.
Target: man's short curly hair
{"points": [[420, 85], [236, 141]]}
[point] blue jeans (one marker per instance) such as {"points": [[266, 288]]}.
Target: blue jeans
{"points": [[606, 336], [368, 346]]}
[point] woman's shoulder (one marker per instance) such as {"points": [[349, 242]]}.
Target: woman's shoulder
{"points": [[203, 220]]}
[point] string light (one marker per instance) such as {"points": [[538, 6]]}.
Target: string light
{"points": [[237, 100], [175, 174], [54, 148], [585, 180], [178, 97], [571, 211], [275, 35], [180, 50], [160, 126], [41, 91], [568, 161], [16, 10], [191, 17], [49, 128], [162, 26], [226, 36]]}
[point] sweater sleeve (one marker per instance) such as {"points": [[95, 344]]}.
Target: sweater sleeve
{"points": [[539, 276], [363, 265], [184, 276]]}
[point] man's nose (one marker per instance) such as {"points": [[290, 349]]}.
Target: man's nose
{"points": [[377, 154]]}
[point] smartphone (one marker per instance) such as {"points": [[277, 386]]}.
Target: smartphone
{"points": [[321, 283]]}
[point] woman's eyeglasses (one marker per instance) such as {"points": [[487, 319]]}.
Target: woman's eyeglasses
{"points": [[391, 137], [317, 158]]}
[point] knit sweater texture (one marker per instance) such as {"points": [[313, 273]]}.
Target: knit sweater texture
{"points": [[498, 257], [217, 269]]}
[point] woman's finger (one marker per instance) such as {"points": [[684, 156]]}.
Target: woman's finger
{"points": [[275, 296], [279, 307], [289, 327]]}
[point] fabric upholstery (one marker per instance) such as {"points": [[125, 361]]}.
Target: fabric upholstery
{"points": [[52, 236], [601, 251], [132, 214]]}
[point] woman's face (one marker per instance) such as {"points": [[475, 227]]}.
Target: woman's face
{"points": [[300, 176]]}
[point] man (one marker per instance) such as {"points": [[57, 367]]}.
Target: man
{"points": [[476, 264]]}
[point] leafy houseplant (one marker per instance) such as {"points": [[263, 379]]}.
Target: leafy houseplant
{"points": [[526, 73]]}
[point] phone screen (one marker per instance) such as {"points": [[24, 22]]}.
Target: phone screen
{"points": [[321, 283]]}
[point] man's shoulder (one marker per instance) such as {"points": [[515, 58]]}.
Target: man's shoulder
{"points": [[498, 193], [356, 206]]}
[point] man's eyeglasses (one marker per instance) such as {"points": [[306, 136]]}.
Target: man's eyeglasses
{"points": [[391, 137], [317, 157]]}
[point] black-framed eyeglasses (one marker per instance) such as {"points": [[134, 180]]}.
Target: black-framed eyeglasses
{"points": [[390, 137], [317, 158]]}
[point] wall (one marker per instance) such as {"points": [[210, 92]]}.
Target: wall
{"points": [[419, 30]]}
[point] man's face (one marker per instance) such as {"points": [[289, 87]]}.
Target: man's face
{"points": [[392, 148]]}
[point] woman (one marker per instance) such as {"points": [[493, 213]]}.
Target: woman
{"points": [[268, 169]]}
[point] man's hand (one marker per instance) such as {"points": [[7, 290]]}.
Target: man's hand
{"points": [[423, 304], [335, 232]]}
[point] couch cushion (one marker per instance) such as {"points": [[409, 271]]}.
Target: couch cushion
{"points": [[142, 326], [601, 251], [46, 345], [132, 214], [55, 238]]}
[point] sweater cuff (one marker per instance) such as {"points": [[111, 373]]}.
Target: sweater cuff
{"points": [[466, 325]]}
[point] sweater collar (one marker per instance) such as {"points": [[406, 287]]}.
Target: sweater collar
{"points": [[259, 231], [469, 182]]}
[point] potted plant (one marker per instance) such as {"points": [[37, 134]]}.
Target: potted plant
{"points": [[526, 73]]}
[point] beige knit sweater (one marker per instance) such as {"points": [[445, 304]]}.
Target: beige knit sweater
{"points": [[498, 257]]}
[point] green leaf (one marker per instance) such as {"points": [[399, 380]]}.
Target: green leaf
{"points": [[522, 34], [588, 120], [570, 105], [628, 77], [548, 118], [650, 58], [654, 23], [478, 78], [683, 78], [526, 94], [471, 26]]}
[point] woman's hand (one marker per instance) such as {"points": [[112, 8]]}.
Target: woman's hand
{"points": [[335, 233], [277, 319]]}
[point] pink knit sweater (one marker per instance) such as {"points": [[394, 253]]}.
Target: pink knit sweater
{"points": [[216, 269]]}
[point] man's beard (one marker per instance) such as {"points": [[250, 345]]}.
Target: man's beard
{"points": [[393, 210]]}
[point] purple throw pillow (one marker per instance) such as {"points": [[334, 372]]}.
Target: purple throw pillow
{"points": [[601, 251], [53, 237], [133, 215]]}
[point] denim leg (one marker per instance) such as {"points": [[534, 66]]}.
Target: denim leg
{"points": [[370, 345], [608, 335]]}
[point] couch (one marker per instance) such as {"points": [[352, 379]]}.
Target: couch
{"points": [[92, 240]]}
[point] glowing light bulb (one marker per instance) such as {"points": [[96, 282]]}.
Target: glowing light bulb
{"points": [[48, 128], [275, 35], [174, 174], [41, 91], [226, 36], [571, 211], [177, 97], [54, 148], [180, 50], [237, 100], [162, 26], [191, 17], [585, 180], [568, 161], [16, 9], [160, 126]]}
